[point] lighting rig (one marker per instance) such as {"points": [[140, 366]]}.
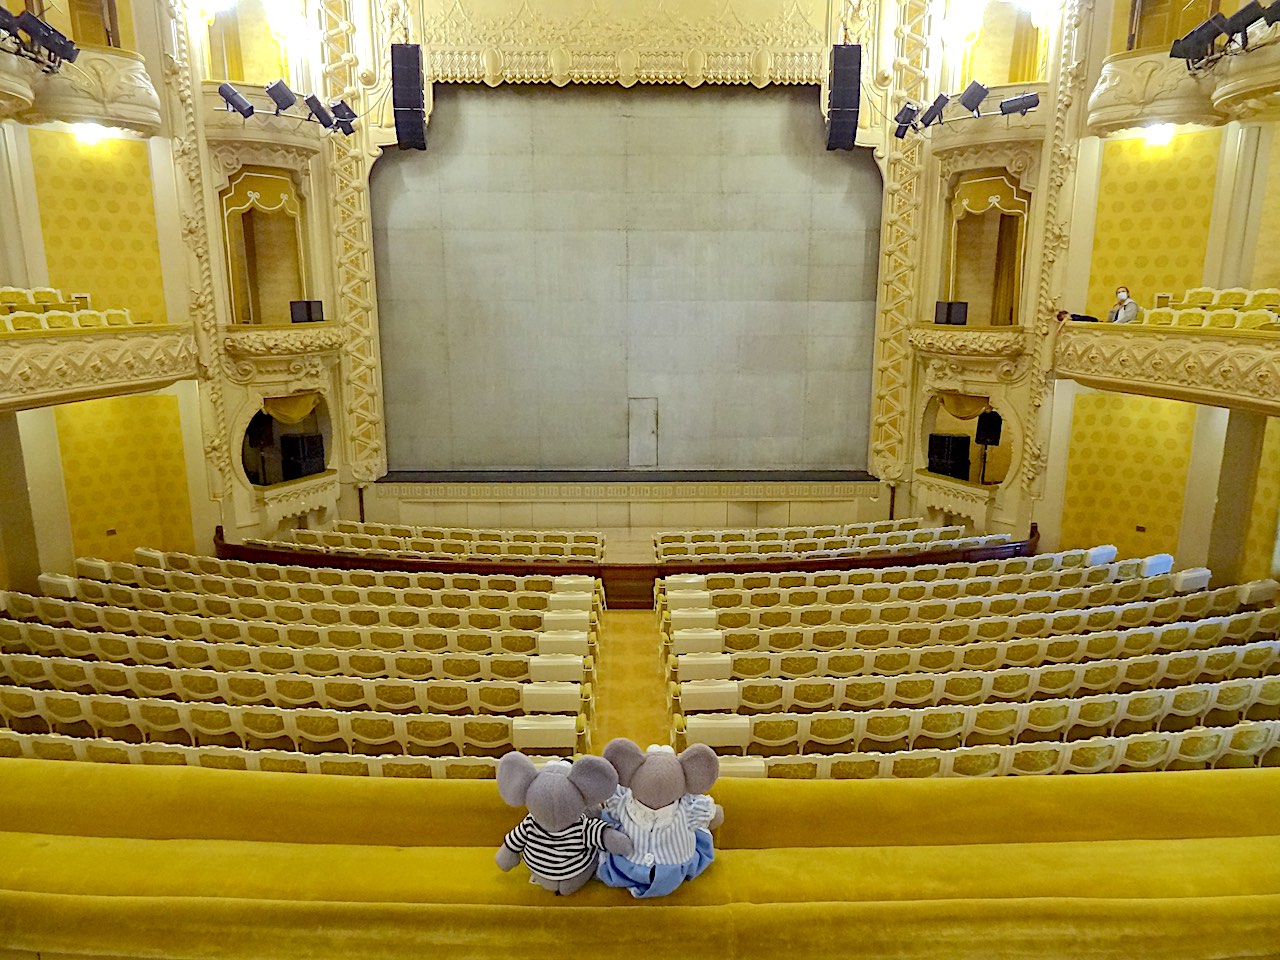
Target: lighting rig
{"points": [[1200, 46], [910, 116], [337, 115], [26, 35]]}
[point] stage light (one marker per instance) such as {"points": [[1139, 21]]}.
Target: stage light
{"points": [[934, 113], [973, 96], [906, 119], [319, 112], [54, 43], [1020, 104], [342, 110], [1158, 134], [1238, 23], [281, 95], [235, 100], [9, 23], [1198, 44], [1272, 13]]}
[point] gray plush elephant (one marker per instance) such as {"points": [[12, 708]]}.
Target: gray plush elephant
{"points": [[561, 839]]}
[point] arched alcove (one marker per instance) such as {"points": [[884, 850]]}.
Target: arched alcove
{"points": [[263, 218], [988, 235], [970, 417], [287, 439]]}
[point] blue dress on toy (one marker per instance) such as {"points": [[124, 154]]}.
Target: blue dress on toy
{"points": [[672, 844]]}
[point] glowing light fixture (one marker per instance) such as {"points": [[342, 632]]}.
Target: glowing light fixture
{"points": [[1159, 134], [90, 134]]}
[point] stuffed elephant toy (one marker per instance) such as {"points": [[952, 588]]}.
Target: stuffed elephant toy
{"points": [[662, 807], [560, 840]]}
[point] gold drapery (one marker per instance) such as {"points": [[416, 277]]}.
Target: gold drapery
{"points": [[292, 409]]}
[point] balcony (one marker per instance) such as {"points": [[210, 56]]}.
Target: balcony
{"points": [[60, 366], [1223, 368], [1145, 87], [104, 85], [993, 134], [286, 134], [17, 81]]}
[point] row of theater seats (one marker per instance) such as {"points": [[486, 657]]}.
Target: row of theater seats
{"points": [[851, 544], [1228, 298], [1212, 319], [195, 660], [1066, 662], [462, 544], [758, 534], [44, 309]]}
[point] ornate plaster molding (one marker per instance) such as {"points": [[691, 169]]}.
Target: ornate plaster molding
{"points": [[1013, 142], [968, 341], [947, 374], [38, 371], [640, 41], [1223, 370], [17, 78], [1148, 86], [296, 498], [283, 341], [348, 162], [105, 86], [957, 497], [1248, 87], [900, 246]]}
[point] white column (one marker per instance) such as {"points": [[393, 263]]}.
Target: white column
{"points": [[1047, 514], [1084, 214], [1237, 484], [23, 238], [1224, 257], [205, 512], [173, 255], [42, 456], [1200, 493]]}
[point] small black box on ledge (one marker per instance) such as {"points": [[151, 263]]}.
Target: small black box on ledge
{"points": [[306, 311], [952, 312]]}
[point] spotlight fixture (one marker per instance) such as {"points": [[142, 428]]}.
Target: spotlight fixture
{"points": [[8, 22], [1272, 13], [973, 96], [934, 113], [1198, 44], [319, 111], [235, 100], [342, 110], [1020, 104], [906, 119], [1238, 23], [283, 97], [346, 126], [55, 44]]}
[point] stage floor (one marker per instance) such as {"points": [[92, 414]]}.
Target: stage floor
{"points": [[627, 476]]}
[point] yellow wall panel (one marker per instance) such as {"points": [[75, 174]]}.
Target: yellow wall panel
{"points": [[1127, 468], [1152, 227], [1266, 258], [125, 475], [99, 222], [1260, 543]]}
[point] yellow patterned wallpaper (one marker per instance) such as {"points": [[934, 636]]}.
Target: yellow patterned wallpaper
{"points": [[1266, 256], [1127, 468], [1260, 543], [125, 475], [1149, 193], [99, 221]]}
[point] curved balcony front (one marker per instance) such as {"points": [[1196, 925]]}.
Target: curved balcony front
{"points": [[1148, 87], [17, 79], [104, 85]]}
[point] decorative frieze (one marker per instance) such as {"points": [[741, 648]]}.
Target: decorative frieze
{"points": [[104, 85], [296, 498], [977, 342], [956, 497], [1146, 87]]}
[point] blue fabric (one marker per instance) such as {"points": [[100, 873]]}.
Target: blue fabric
{"points": [[658, 879]]}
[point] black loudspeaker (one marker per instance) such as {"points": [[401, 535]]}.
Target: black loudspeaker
{"points": [[954, 312], [306, 311], [949, 455], [301, 455], [844, 92], [408, 96], [988, 432]]}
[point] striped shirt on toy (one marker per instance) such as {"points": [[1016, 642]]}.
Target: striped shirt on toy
{"points": [[559, 855]]}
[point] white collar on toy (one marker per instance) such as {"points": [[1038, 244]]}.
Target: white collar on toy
{"points": [[648, 816]]}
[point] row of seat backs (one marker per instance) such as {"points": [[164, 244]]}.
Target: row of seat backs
{"points": [[757, 534], [493, 534], [1212, 318], [37, 296], [1234, 298], [30, 322]]}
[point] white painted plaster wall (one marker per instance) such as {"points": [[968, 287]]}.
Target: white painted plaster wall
{"points": [[555, 252]]}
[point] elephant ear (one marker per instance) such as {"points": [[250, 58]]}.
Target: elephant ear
{"points": [[515, 773], [701, 768], [595, 779], [626, 757]]}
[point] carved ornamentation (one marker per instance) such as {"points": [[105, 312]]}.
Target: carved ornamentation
{"points": [[299, 497], [17, 77], [284, 133], [283, 341], [104, 86], [1020, 158], [970, 342], [932, 492], [666, 41], [229, 156], [899, 253], [348, 162], [36, 371], [1145, 87], [1218, 370], [1248, 87]]}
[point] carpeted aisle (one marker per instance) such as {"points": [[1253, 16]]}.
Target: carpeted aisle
{"points": [[631, 694]]}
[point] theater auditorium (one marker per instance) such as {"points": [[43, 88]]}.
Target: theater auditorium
{"points": [[874, 403]]}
